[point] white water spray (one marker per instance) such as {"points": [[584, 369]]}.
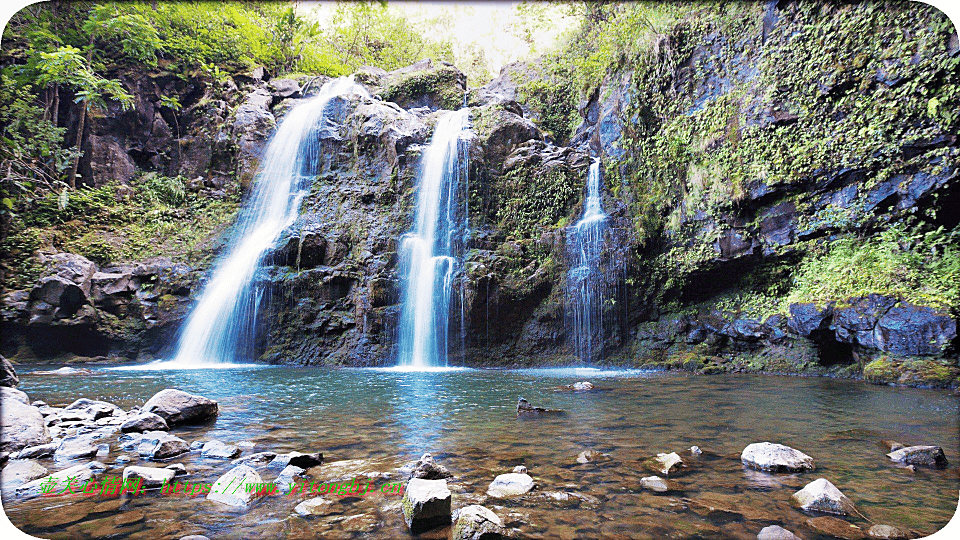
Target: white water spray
{"points": [[222, 327], [431, 254], [585, 289]]}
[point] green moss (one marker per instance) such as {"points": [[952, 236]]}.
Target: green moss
{"points": [[442, 82], [881, 371]]}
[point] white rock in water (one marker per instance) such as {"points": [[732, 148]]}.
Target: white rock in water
{"points": [[664, 464], [21, 425], [239, 487], [17, 472], [510, 485], [425, 503], [775, 532], [654, 483], [317, 506], [476, 522], [822, 496], [772, 457], [151, 476]]}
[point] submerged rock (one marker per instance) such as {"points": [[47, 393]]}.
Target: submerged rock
{"points": [[589, 456], [927, 456], [260, 459], [836, 528], [772, 457], [426, 504], [886, 532], [665, 464], [775, 532], [225, 489], [476, 522], [317, 506], [524, 408], [822, 496], [510, 485], [179, 407], [428, 469]]}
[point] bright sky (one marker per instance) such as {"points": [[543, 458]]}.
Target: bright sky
{"points": [[486, 25]]}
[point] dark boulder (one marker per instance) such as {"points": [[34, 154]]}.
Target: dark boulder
{"points": [[8, 375], [911, 330], [805, 319], [855, 322]]}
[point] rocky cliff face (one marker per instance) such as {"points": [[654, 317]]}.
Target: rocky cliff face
{"points": [[734, 154]]}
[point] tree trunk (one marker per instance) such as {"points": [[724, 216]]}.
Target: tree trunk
{"points": [[56, 105], [72, 178]]}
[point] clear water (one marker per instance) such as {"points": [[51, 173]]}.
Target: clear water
{"points": [[221, 326], [431, 255], [586, 293], [378, 420]]}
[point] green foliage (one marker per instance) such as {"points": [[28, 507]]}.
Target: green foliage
{"points": [[31, 153], [370, 33], [921, 268], [114, 223], [155, 188], [128, 34], [535, 200]]}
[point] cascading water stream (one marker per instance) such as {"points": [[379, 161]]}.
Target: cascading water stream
{"points": [[585, 288], [221, 327], [432, 252]]}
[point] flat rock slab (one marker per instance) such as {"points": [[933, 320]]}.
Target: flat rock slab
{"points": [[77, 447], [239, 487], [926, 456], [426, 504], [822, 496], [510, 485], [476, 522], [836, 528], [179, 407], [59, 480], [771, 457]]}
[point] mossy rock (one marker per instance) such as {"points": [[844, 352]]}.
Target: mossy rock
{"points": [[426, 85]]}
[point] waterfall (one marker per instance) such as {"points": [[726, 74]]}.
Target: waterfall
{"points": [[431, 254], [221, 327], [585, 286]]}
